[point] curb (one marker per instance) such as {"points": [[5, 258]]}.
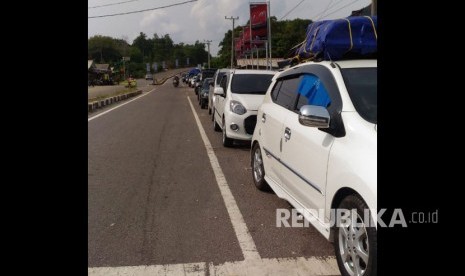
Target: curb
{"points": [[92, 106]]}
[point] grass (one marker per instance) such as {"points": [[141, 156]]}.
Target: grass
{"points": [[102, 97]]}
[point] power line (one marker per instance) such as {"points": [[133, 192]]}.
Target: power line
{"points": [[326, 9], [112, 4], [157, 8], [333, 4], [342, 7], [292, 10]]}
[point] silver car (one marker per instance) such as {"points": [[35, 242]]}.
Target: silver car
{"points": [[216, 85]]}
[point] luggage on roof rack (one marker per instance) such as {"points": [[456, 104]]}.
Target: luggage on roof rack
{"points": [[351, 37]]}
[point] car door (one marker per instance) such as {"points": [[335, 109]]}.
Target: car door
{"points": [[305, 150], [271, 117], [211, 94], [220, 101]]}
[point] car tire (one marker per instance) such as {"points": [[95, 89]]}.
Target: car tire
{"points": [[216, 126], [258, 170], [227, 142], [363, 249]]}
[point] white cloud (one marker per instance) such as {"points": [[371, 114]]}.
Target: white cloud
{"points": [[152, 17]]}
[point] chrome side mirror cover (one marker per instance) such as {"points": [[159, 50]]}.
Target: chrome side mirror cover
{"points": [[314, 116]]}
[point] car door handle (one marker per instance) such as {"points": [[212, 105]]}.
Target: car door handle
{"points": [[287, 134], [263, 117]]}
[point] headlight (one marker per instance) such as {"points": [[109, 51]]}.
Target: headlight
{"points": [[237, 107]]}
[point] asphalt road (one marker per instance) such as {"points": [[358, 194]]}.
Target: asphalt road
{"points": [[153, 198]]}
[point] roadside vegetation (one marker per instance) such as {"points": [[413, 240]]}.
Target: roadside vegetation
{"points": [[144, 49]]}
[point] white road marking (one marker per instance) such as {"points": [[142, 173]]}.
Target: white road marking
{"points": [[118, 106], [277, 266], [249, 250]]}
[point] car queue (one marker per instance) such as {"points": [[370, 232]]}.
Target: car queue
{"points": [[313, 135]]}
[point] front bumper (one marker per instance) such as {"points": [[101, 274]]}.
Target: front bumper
{"points": [[245, 124]]}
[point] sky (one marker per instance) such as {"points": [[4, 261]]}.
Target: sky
{"points": [[203, 19]]}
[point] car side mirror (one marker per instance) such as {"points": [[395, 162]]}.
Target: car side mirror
{"points": [[314, 116], [218, 91]]}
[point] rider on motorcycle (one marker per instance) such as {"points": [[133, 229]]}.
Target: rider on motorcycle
{"points": [[176, 81]]}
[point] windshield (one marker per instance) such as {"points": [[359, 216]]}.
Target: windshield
{"points": [[251, 83], [361, 84], [206, 84]]}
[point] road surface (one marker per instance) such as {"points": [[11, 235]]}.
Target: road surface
{"points": [[158, 204]]}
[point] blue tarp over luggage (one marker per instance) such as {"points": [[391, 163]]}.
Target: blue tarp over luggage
{"points": [[194, 71], [336, 39]]}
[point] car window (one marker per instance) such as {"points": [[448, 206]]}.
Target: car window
{"points": [[251, 83], [312, 91], [361, 84], [224, 82], [274, 92], [287, 92], [218, 77]]}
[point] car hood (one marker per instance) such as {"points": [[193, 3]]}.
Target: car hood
{"points": [[249, 101]]}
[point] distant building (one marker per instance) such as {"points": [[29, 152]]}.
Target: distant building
{"points": [[99, 73]]}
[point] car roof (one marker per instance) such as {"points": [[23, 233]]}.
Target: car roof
{"points": [[257, 72], [357, 63], [353, 63]]}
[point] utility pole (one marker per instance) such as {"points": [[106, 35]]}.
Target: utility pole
{"points": [[266, 54], [269, 34], [232, 38], [374, 7], [124, 66], [208, 45]]}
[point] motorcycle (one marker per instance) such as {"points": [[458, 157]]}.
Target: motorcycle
{"points": [[176, 81]]}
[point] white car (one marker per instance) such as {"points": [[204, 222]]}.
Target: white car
{"points": [[315, 145], [216, 86], [236, 104]]}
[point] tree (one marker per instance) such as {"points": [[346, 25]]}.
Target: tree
{"points": [[144, 45], [225, 50], [287, 34], [103, 49]]}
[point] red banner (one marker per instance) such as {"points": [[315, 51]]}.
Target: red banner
{"points": [[238, 44], [258, 15], [246, 34], [259, 34]]}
